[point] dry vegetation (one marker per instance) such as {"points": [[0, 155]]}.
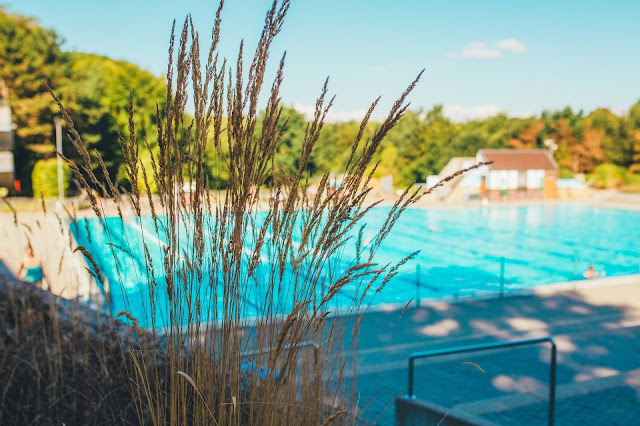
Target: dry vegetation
{"points": [[56, 367], [204, 362]]}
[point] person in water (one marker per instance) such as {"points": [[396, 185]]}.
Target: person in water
{"points": [[32, 265], [590, 273]]}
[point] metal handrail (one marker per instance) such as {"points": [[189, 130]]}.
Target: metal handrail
{"points": [[489, 346]]}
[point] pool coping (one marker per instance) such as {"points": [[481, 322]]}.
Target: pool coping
{"points": [[543, 289]]}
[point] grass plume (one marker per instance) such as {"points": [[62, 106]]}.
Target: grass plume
{"points": [[233, 273]]}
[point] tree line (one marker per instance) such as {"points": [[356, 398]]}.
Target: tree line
{"points": [[95, 91]]}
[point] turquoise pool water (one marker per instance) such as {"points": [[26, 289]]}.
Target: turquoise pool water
{"points": [[464, 252]]}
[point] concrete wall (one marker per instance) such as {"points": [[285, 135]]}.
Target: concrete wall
{"points": [[6, 180], [417, 412], [515, 195], [6, 141], [66, 271]]}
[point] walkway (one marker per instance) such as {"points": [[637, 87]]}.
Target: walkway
{"points": [[597, 328], [65, 271]]}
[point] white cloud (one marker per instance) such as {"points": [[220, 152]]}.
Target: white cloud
{"points": [[511, 45], [482, 50], [333, 116], [460, 113], [477, 50], [620, 110], [522, 114]]}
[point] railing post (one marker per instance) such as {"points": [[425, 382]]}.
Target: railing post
{"points": [[552, 383], [417, 286], [410, 386], [501, 276]]}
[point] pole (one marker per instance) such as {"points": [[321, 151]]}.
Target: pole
{"points": [[410, 386], [58, 122], [501, 276], [552, 385], [417, 286]]}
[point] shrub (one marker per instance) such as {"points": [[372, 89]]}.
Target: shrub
{"points": [[45, 178], [565, 173], [609, 176]]}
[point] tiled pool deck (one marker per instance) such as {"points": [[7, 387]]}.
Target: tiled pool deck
{"points": [[597, 329]]}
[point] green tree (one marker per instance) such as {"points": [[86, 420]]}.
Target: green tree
{"points": [[334, 145], [630, 125], [96, 96], [613, 144], [290, 147], [403, 149], [436, 134], [29, 54], [94, 90], [529, 136], [217, 162]]}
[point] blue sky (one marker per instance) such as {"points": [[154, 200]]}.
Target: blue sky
{"points": [[480, 57]]}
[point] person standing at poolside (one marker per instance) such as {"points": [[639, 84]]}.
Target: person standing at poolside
{"points": [[32, 265]]}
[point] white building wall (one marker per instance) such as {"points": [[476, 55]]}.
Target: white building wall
{"points": [[432, 180], [501, 179], [535, 179], [5, 117], [512, 182], [509, 179], [493, 180]]}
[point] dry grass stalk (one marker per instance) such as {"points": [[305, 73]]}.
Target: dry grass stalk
{"points": [[225, 277], [13, 211]]}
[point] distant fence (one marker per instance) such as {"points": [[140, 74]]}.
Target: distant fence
{"points": [[21, 201], [50, 202], [502, 282]]}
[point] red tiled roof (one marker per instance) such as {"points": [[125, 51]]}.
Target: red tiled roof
{"points": [[519, 159]]}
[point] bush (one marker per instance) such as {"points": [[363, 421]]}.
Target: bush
{"points": [[565, 173], [609, 176], [45, 178]]}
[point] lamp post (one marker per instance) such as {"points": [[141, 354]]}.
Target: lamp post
{"points": [[58, 122], [551, 145]]}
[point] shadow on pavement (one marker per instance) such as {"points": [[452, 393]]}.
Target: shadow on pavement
{"points": [[596, 330]]}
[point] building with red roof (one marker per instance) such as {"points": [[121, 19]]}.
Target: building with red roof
{"points": [[517, 174]]}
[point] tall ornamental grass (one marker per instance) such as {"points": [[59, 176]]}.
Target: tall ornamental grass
{"points": [[211, 354]]}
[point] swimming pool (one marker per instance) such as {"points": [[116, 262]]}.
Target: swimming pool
{"points": [[463, 252]]}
